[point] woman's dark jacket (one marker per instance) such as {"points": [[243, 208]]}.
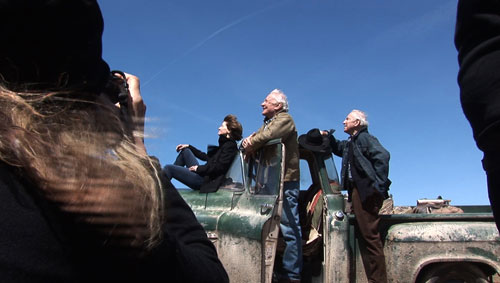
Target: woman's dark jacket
{"points": [[36, 246], [218, 162], [371, 160]]}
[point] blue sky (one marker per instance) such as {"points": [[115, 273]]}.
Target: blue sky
{"points": [[199, 60]]}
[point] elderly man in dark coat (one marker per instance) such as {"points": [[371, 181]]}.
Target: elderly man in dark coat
{"points": [[365, 170]]}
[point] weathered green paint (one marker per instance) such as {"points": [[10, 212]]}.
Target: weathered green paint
{"points": [[193, 198], [237, 213], [443, 232], [246, 224], [239, 256], [483, 253]]}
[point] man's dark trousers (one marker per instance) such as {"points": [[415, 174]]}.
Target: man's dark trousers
{"points": [[371, 248]]}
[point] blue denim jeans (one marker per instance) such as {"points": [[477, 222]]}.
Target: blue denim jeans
{"points": [[292, 235], [181, 173], [186, 158]]}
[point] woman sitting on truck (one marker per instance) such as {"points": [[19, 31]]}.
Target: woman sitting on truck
{"points": [[208, 177]]}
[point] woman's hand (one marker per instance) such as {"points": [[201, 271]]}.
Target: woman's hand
{"points": [[247, 142], [181, 147], [248, 147], [193, 168], [137, 111], [136, 105]]}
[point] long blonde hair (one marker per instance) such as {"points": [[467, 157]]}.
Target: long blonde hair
{"points": [[73, 146]]}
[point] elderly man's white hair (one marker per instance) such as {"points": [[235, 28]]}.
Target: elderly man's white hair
{"points": [[361, 116], [280, 97]]}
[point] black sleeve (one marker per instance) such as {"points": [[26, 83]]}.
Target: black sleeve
{"points": [[198, 153], [337, 146], [378, 156], [192, 256], [38, 248], [220, 162]]}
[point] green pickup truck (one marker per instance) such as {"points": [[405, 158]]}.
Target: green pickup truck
{"points": [[242, 220]]}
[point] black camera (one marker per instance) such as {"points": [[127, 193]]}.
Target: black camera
{"points": [[117, 89]]}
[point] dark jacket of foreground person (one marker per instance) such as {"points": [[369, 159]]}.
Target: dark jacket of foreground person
{"points": [[38, 245]]}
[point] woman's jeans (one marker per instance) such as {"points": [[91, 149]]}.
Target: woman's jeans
{"points": [[182, 174], [290, 228]]}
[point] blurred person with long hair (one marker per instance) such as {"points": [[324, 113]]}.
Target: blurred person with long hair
{"points": [[80, 198]]}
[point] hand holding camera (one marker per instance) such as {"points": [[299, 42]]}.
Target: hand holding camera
{"points": [[126, 94]]}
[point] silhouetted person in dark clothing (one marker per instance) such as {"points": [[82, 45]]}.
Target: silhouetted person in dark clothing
{"points": [[477, 39]]}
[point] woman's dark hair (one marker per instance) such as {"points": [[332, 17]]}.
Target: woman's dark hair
{"points": [[52, 45], [234, 127]]}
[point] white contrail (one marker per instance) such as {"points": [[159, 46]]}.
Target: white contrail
{"points": [[214, 34]]}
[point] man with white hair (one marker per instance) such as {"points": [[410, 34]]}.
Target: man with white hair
{"points": [[279, 124], [365, 170]]}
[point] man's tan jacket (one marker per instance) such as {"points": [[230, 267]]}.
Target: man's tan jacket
{"points": [[281, 126]]}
